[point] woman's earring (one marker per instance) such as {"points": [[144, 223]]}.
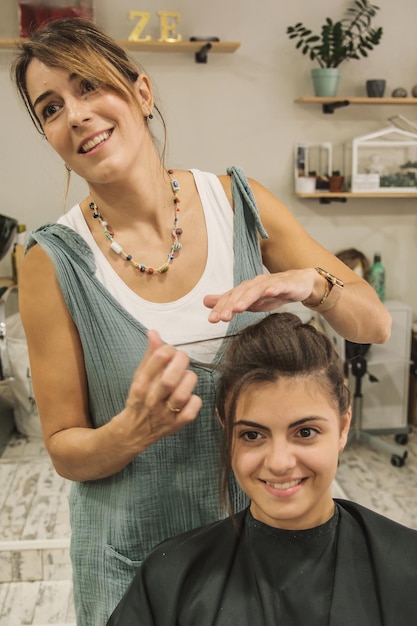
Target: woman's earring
{"points": [[68, 168], [150, 116]]}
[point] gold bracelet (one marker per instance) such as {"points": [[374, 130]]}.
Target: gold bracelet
{"points": [[331, 281]]}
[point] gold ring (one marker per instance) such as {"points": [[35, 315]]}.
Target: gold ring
{"points": [[172, 408]]}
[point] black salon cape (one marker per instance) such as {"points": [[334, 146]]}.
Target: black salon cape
{"points": [[358, 569]]}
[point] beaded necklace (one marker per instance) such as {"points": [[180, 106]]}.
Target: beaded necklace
{"points": [[175, 234]]}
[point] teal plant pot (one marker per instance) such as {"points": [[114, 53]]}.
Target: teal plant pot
{"points": [[325, 81]]}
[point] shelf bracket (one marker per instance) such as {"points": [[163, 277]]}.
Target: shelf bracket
{"points": [[329, 107], [328, 200], [201, 55]]}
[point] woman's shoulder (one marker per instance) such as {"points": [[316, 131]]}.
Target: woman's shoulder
{"points": [[52, 232], [60, 242]]}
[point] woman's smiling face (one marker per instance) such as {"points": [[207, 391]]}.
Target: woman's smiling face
{"points": [[91, 128], [287, 438]]}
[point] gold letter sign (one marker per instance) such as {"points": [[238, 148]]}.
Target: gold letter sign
{"points": [[135, 35], [168, 22]]}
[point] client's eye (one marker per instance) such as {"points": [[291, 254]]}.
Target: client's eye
{"points": [[307, 432], [250, 435]]}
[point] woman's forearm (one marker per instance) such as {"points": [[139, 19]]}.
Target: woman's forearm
{"points": [[357, 314], [84, 454]]}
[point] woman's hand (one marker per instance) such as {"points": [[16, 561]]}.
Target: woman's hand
{"points": [[265, 292], [160, 400]]}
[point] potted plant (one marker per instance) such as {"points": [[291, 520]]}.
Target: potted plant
{"points": [[352, 37]]}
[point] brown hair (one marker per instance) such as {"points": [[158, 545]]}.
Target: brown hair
{"points": [[279, 346], [81, 47]]}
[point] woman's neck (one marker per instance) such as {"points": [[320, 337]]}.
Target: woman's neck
{"points": [[144, 196]]}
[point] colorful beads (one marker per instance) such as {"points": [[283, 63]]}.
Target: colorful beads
{"points": [[116, 247], [175, 233]]}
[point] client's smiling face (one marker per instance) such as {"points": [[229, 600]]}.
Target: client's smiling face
{"points": [[287, 438]]}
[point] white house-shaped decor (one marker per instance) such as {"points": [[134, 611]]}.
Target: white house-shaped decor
{"points": [[385, 160]]}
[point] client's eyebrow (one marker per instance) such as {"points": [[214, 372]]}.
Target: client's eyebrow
{"points": [[250, 424], [300, 422]]}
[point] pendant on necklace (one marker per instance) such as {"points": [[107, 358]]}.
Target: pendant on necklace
{"points": [[176, 232]]}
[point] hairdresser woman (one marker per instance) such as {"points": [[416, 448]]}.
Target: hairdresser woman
{"points": [[178, 251]]}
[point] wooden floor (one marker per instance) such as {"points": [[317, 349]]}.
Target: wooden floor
{"points": [[35, 571]]}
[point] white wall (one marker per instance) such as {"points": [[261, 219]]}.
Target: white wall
{"points": [[239, 109]]}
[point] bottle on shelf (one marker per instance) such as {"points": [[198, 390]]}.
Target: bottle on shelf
{"points": [[377, 277]]}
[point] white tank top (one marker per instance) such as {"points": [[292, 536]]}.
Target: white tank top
{"points": [[185, 320]]}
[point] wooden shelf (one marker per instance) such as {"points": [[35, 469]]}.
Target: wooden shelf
{"points": [[330, 104], [199, 48], [359, 194], [355, 100], [179, 46], [342, 196], [8, 44]]}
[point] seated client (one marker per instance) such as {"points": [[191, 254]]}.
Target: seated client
{"points": [[295, 555]]}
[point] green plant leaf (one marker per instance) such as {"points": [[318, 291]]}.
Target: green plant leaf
{"points": [[342, 40]]}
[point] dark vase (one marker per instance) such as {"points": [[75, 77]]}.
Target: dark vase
{"points": [[375, 88]]}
